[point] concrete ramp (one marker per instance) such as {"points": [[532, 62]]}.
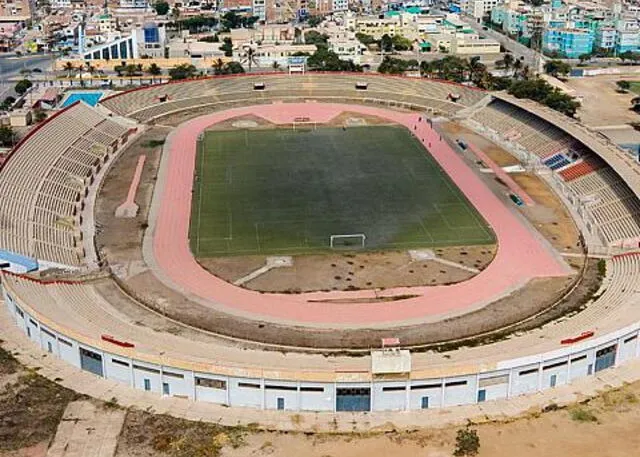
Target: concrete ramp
{"points": [[87, 430]]}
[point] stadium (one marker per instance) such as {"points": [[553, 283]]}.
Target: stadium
{"points": [[322, 242]]}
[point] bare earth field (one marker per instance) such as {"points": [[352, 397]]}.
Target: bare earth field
{"points": [[604, 427], [601, 104], [354, 271], [30, 409]]}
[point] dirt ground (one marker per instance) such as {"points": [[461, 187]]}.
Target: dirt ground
{"points": [[30, 409], [601, 104], [498, 155], [354, 271], [124, 236], [549, 216], [604, 427]]}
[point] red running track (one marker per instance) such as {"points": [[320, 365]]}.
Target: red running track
{"points": [[521, 256]]}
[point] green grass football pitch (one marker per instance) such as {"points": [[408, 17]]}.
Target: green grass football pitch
{"points": [[282, 191]]}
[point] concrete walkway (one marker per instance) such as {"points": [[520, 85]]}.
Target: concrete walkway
{"points": [[86, 383], [87, 430]]}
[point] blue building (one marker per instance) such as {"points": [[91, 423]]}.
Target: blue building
{"points": [[569, 43]]}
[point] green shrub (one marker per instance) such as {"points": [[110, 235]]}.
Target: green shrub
{"points": [[467, 443], [602, 268], [582, 415]]}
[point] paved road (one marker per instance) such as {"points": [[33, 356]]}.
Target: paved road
{"points": [[10, 67], [517, 49]]}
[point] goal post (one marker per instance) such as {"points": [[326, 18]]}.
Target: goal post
{"points": [[303, 123], [348, 241]]}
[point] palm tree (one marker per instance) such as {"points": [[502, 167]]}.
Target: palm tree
{"points": [[507, 61], [217, 66], [154, 70], [131, 70], [475, 67], [517, 65], [175, 15], [249, 56], [68, 67]]}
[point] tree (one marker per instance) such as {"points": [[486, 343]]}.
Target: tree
{"points": [[182, 71], [231, 20], [315, 21], [507, 61], [249, 56], [7, 103], [232, 68], [562, 102], [131, 70], [69, 68], [623, 86], [227, 46], [22, 86], [629, 55], [317, 38], [393, 66], [542, 92], [517, 66], [7, 136], [39, 115], [162, 8], [175, 15], [217, 67], [557, 68], [154, 69], [584, 57], [325, 60], [229, 68], [401, 43], [386, 43], [476, 69], [467, 443], [365, 39]]}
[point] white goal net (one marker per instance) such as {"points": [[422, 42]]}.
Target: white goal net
{"points": [[303, 123], [349, 241]]}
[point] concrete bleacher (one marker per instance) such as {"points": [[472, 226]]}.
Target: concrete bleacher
{"points": [[44, 181], [610, 204], [145, 104], [525, 129]]}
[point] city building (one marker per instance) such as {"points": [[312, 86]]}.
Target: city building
{"points": [[570, 43], [15, 9], [137, 4]]}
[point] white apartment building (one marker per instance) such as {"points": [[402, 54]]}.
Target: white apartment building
{"points": [[478, 8], [138, 4]]}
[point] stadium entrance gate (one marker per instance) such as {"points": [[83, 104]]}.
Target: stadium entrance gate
{"points": [[91, 361], [353, 399]]}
